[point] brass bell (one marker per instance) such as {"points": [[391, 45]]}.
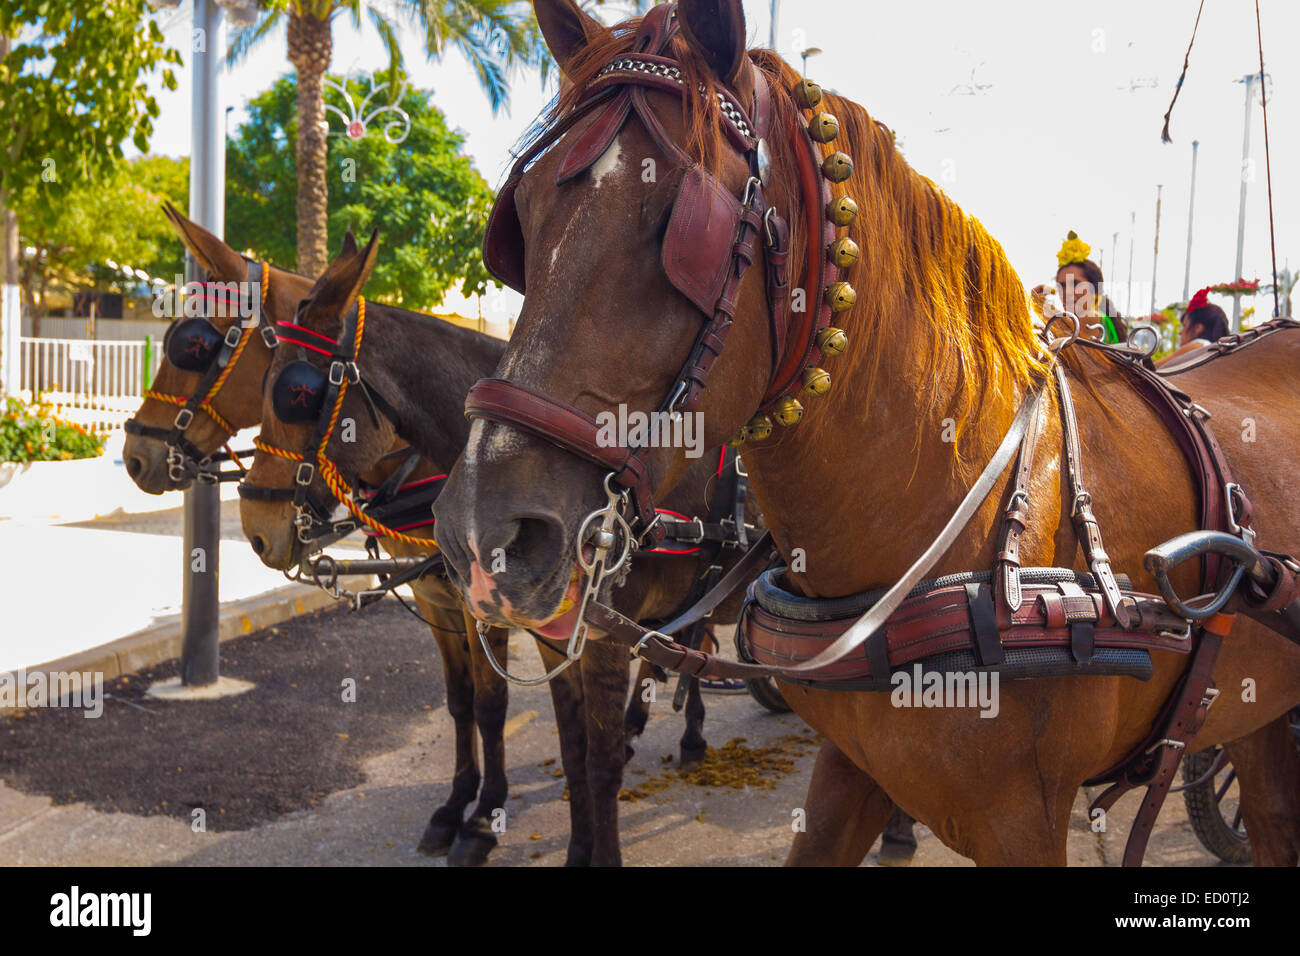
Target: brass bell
{"points": [[816, 381], [837, 167], [759, 427], [824, 128], [843, 252], [788, 411], [841, 296], [832, 341], [738, 439], [842, 211], [807, 94]]}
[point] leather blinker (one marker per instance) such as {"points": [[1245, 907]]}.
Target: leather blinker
{"points": [[698, 245]]}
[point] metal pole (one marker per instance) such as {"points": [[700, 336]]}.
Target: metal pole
{"points": [[1155, 255], [1249, 80], [1191, 209], [771, 35], [200, 663], [1132, 232]]}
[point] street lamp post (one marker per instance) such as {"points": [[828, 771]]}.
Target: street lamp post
{"points": [[1249, 81]]}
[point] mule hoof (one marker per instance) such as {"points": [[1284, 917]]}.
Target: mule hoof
{"points": [[691, 757], [437, 839], [474, 841], [896, 854]]}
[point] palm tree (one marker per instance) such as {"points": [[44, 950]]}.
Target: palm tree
{"points": [[493, 35]]}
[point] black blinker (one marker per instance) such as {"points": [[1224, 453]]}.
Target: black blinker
{"points": [[298, 394], [192, 345]]}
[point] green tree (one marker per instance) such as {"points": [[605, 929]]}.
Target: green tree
{"points": [[109, 218], [494, 36], [72, 89], [425, 196]]}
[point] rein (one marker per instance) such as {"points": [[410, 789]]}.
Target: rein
{"points": [[184, 460]]}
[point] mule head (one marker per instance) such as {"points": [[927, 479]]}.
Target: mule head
{"points": [[301, 411], [604, 327], [238, 400]]}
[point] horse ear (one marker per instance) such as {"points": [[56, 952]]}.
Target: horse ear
{"points": [[716, 30], [219, 260], [343, 279], [566, 28], [349, 244]]}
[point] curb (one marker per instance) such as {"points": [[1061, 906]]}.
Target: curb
{"points": [[162, 642]]}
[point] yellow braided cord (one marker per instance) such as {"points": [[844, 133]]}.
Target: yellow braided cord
{"points": [[244, 338], [277, 452], [203, 407]]}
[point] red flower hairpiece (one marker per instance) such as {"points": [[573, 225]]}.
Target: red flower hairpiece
{"points": [[1200, 300]]}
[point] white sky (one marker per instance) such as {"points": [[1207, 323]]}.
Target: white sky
{"points": [[1062, 130]]}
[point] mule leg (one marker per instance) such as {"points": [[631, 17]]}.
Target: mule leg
{"points": [[638, 708], [1268, 774], [566, 695], [898, 842], [604, 681], [446, 820], [845, 811], [475, 839], [693, 746]]}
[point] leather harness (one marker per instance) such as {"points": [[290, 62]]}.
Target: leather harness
{"points": [[184, 460]]}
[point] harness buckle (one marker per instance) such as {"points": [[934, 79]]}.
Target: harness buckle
{"points": [[183, 419], [233, 335], [752, 185], [1166, 742], [1082, 500], [699, 539], [354, 373], [305, 473], [269, 336], [1211, 695], [337, 370]]}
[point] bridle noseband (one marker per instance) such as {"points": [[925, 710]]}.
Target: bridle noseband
{"points": [[214, 355]]}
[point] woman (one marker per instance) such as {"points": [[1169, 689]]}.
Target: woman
{"points": [[1202, 324], [1080, 282]]}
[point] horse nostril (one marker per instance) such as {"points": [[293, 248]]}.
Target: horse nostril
{"points": [[134, 466], [258, 543]]}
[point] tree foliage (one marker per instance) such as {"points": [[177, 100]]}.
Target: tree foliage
{"points": [[113, 218], [424, 195], [72, 88]]}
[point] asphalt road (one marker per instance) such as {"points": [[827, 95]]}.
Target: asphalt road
{"points": [[289, 773]]}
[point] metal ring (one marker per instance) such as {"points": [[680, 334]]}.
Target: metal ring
{"points": [[1057, 344]]}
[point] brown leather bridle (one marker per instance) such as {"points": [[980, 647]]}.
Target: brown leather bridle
{"points": [[712, 239]]}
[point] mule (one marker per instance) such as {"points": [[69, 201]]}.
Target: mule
{"points": [[941, 353], [417, 370], [476, 694]]}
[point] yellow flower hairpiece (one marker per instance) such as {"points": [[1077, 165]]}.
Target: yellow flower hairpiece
{"points": [[1072, 250]]}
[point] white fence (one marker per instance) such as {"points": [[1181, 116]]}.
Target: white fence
{"points": [[97, 384]]}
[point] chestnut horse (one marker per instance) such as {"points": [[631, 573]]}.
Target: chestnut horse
{"points": [[422, 367], [941, 351], [476, 695]]}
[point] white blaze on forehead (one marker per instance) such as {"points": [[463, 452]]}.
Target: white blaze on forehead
{"points": [[609, 162]]}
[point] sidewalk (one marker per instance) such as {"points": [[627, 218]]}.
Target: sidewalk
{"points": [[97, 561]]}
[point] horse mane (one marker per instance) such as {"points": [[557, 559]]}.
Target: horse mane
{"points": [[935, 290]]}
